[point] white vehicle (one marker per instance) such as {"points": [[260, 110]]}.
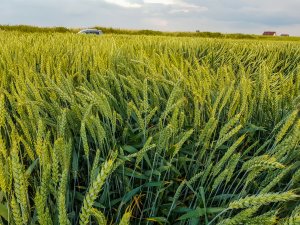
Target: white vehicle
{"points": [[90, 31]]}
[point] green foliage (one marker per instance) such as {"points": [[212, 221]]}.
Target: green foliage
{"points": [[110, 30], [123, 129]]}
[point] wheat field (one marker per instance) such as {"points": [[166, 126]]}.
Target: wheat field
{"points": [[148, 130]]}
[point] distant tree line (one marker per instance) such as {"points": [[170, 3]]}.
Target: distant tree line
{"points": [[109, 30]]}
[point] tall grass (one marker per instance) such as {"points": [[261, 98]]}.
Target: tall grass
{"points": [[148, 130]]}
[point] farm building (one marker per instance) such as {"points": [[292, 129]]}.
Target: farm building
{"points": [[285, 35], [270, 33]]}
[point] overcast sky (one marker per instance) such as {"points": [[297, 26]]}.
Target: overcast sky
{"points": [[238, 16]]}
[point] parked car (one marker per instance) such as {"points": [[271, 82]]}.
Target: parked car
{"points": [[90, 31]]}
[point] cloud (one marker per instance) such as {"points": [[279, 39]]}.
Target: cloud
{"points": [[241, 16], [157, 22], [124, 3], [172, 6], [178, 6], [163, 2]]}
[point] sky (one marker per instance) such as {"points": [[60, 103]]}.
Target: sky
{"points": [[227, 16]]}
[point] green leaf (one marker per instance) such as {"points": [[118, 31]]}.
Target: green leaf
{"points": [[130, 194], [31, 167], [131, 173], [146, 157], [160, 220], [224, 197], [202, 194], [126, 197], [154, 184], [130, 149], [80, 197], [199, 212], [251, 128], [75, 165], [4, 211], [152, 173], [194, 221]]}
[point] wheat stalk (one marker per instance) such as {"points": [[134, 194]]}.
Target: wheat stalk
{"points": [[93, 191], [263, 199]]}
